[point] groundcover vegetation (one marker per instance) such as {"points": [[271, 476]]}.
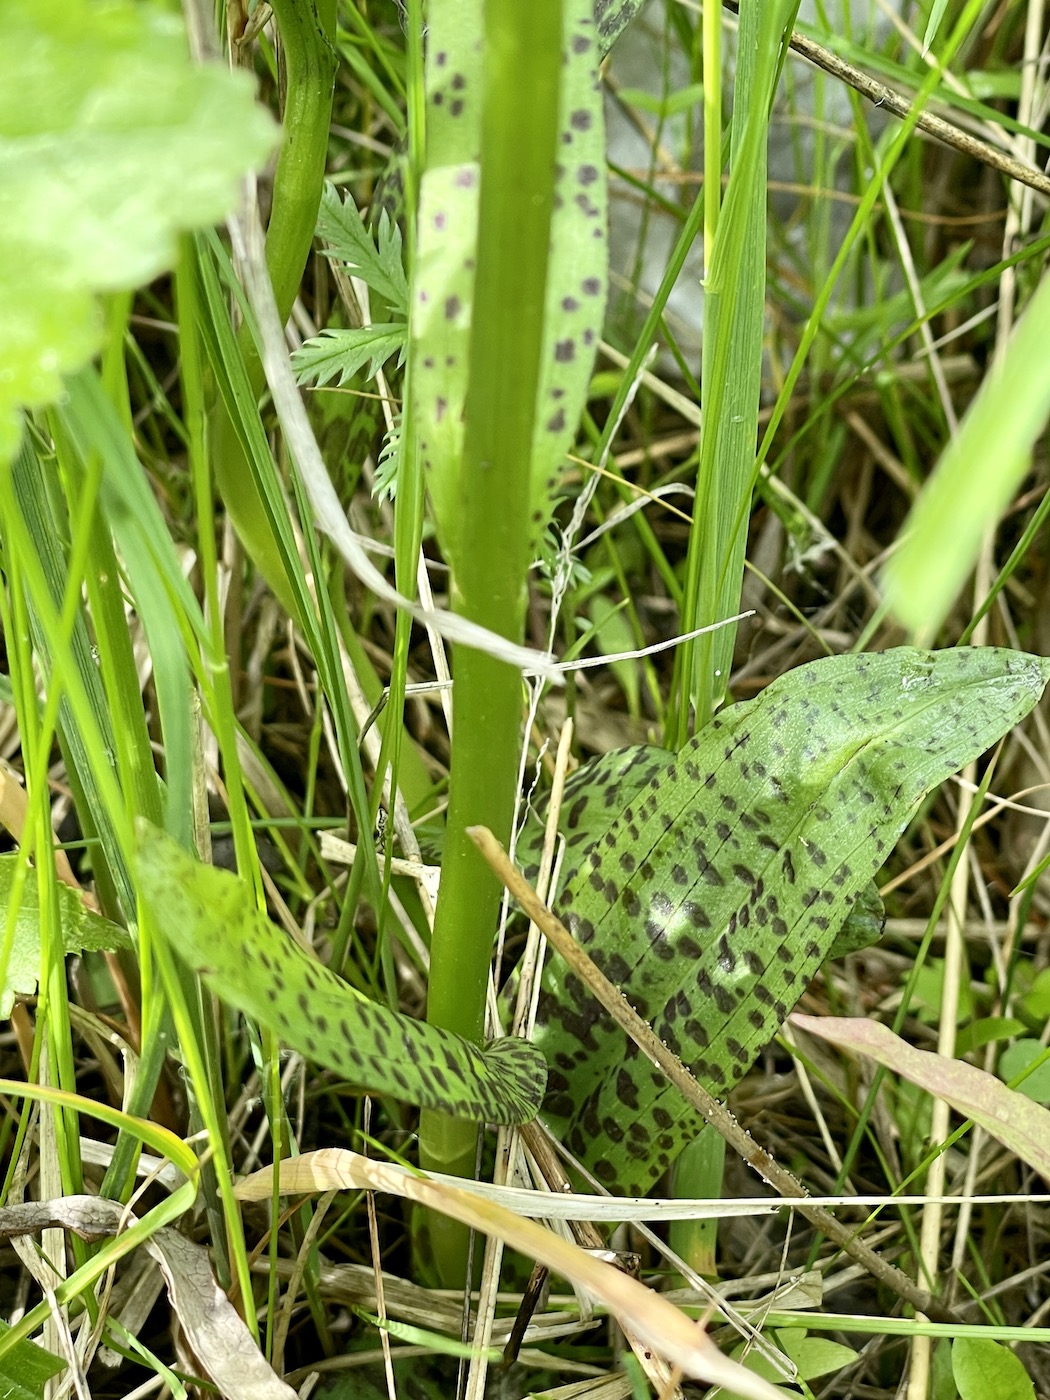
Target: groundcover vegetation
{"points": [[608, 431]]}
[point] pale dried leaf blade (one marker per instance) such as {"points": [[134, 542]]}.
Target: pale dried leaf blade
{"points": [[214, 1329], [85, 1216], [651, 1317], [1015, 1120]]}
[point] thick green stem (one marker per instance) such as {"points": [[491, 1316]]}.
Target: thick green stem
{"points": [[309, 69], [519, 133], [309, 66]]}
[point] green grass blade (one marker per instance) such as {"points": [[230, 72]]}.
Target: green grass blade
{"points": [[976, 477]]}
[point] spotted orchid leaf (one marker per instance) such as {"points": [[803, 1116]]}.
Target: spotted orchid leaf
{"points": [[614, 780], [712, 891], [443, 286], [212, 922]]}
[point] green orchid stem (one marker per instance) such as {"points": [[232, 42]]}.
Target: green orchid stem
{"points": [[522, 56], [310, 59]]}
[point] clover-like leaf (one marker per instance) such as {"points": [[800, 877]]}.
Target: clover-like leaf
{"points": [[82, 931]]}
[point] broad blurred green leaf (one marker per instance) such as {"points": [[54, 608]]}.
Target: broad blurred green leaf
{"points": [[111, 144]]}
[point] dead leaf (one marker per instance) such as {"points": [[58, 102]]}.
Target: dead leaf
{"points": [[214, 1329], [1015, 1120], [649, 1316]]}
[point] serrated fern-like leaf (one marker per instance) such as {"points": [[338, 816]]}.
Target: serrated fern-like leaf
{"points": [[343, 352], [342, 229], [385, 485]]}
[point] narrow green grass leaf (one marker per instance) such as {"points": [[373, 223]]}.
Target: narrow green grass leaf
{"points": [[86, 710], [734, 304], [933, 23], [976, 478], [435, 1342], [164, 600], [613, 634], [162, 1141], [272, 545]]}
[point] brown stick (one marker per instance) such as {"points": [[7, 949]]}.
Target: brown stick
{"points": [[619, 1008], [901, 106]]}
